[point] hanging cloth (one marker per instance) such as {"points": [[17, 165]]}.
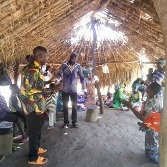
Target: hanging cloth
{"points": [[105, 69]]}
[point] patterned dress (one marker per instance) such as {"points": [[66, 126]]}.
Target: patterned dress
{"points": [[90, 100], [152, 137]]}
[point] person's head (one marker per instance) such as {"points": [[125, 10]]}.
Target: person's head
{"points": [[150, 70], [161, 63], [117, 87], [135, 87], [153, 89], [138, 80], [109, 94], [89, 63], [40, 55], [142, 82], [14, 89], [52, 86], [73, 58]]}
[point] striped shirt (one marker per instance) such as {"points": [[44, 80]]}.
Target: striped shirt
{"points": [[158, 76], [51, 103]]}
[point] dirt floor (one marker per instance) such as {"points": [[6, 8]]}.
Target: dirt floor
{"points": [[113, 141]]}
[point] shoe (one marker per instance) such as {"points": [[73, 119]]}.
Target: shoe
{"points": [[25, 140], [75, 126], [39, 161], [17, 137], [50, 127], [42, 151], [65, 126]]}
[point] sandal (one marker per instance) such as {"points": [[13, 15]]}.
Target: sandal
{"points": [[39, 161], [41, 151]]}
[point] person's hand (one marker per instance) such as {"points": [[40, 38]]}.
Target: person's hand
{"points": [[58, 87], [142, 126], [85, 93], [39, 113], [127, 103]]}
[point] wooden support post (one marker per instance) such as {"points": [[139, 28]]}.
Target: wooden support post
{"points": [[94, 64], [16, 72], [163, 129]]}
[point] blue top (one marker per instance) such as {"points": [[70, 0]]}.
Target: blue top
{"points": [[70, 73]]}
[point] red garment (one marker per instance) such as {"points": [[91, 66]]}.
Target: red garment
{"points": [[153, 121]]}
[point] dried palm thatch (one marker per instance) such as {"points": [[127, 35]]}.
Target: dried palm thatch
{"points": [[26, 24]]}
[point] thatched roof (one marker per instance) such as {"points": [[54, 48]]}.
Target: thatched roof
{"points": [[26, 24]]}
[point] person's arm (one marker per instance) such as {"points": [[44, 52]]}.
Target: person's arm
{"points": [[34, 84], [82, 79], [3, 107], [60, 72], [136, 113], [15, 103]]}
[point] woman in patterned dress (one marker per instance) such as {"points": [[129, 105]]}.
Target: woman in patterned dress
{"points": [[90, 85], [152, 105]]}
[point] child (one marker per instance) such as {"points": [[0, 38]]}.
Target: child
{"points": [[51, 107], [109, 100]]}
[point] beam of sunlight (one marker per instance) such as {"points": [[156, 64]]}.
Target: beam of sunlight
{"points": [[106, 30]]}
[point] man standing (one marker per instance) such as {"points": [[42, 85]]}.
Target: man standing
{"points": [[70, 72], [32, 92]]}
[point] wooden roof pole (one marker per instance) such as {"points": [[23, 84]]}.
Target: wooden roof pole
{"points": [[16, 73], [94, 21]]}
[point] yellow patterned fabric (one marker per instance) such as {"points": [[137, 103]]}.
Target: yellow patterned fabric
{"points": [[32, 89]]}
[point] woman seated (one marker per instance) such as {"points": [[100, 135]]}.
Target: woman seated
{"points": [[136, 97], [151, 106], [117, 97]]}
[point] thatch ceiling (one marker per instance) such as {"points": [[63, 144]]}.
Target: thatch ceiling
{"points": [[26, 24]]}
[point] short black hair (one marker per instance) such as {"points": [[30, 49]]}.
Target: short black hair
{"points": [[142, 82], [73, 55], [39, 48], [155, 87], [52, 86]]}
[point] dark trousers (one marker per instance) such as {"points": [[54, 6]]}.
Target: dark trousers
{"points": [[17, 123], [34, 125], [73, 97]]}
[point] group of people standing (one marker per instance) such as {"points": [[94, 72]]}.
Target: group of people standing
{"points": [[33, 92], [36, 99]]}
